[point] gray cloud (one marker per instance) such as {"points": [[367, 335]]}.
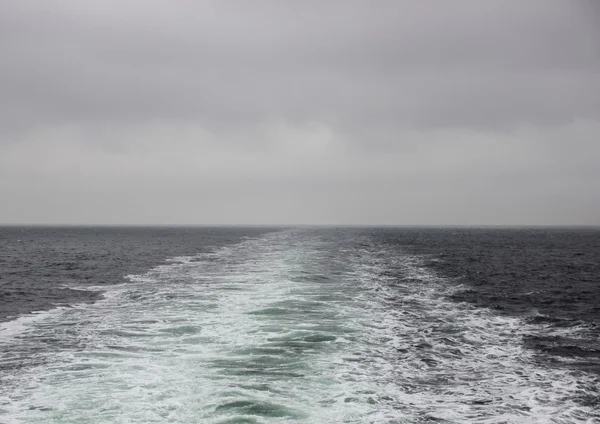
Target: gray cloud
{"points": [[440, 112]]}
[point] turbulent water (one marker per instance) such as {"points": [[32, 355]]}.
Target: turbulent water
{"points": [[314, 326]]}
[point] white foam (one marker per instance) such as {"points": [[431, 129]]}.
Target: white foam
{"points": [[19, 325]]}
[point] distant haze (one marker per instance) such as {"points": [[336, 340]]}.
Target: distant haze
{"points": [[300, 112]]}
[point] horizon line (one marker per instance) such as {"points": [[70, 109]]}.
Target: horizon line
{"points": [[243, 225]]}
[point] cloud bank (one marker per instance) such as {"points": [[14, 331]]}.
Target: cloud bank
{"points": [[397, 113]]}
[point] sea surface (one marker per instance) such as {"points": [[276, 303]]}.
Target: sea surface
{"points": [[299, 325]]}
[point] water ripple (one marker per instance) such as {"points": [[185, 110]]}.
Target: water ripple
{"points": [[294, 326]]}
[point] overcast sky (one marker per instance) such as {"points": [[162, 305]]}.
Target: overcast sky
{"points": [[300, 112]]}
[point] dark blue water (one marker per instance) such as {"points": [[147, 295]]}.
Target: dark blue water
{"points": [[40, 265], [548, 276], [322, 325]]}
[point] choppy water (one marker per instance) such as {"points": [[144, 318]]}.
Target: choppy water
{"points": [[289, 326]]}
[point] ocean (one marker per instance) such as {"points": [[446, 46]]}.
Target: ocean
{"points": [[299, 325]]}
